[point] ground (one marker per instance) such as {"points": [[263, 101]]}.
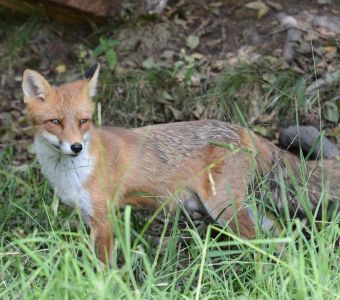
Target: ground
{"points": [[198, 59]]}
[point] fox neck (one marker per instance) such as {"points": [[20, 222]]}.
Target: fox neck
{"points": [[67, 174]]}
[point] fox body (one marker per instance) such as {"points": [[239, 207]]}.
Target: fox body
{"points": [[208, 166]]}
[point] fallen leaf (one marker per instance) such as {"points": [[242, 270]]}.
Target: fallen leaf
{"points": [[149, 63], [167, 96], [275, 5], [216, 4], [192, 41], [329, 48], [60, 68], [325, 1], [178, 115], [198, 110], [310, 36], [269, 77], [168, 54], [195, 79], [330, 52], [197, 56], [331, 112], [262, 130], [261, 7], [334, 132], [264, 119], [325, 33]]}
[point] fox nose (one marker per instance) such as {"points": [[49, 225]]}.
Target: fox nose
{"points": [[76, 147]]}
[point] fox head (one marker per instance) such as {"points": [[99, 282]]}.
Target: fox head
{"points": [[61, 115]]}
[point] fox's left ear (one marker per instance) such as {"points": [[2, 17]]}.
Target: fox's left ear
{"points": [[92, 76]]}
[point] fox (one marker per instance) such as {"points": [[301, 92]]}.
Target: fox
{"points": [[208, 164]]}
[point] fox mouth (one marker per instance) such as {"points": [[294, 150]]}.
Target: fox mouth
{"points": [[73, 154], [65, 154]]}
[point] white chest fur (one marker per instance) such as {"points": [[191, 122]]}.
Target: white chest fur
{"points": [[67, 174]]}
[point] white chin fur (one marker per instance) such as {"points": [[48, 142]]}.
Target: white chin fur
{"points": [[68, 174]]}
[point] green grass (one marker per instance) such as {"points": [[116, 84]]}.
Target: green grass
{"points": [[45, 252], [16, 36]]}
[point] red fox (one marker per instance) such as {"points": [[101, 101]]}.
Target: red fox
{"points": [[209, 165]]}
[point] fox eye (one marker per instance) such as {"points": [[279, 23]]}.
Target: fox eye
{"points": [[55, 121], [83, 121]]}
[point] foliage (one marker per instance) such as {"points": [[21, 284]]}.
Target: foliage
{"points": [[106, 48]]}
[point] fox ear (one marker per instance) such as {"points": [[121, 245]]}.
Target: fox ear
{"points": [[34, 85], [92, 76]]}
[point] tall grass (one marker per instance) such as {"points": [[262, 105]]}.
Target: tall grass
{"points": [[45, 253]]}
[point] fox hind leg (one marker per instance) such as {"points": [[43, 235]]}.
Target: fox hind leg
{"points": [[223, 191], [230, 213]]}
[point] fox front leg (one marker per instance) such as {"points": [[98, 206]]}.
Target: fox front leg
{"points": [[102, 238]]}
